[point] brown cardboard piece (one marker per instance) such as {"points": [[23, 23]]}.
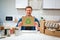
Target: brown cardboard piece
{"points": [[42, 26], [52, 33], [48, 32], [28, 21]]}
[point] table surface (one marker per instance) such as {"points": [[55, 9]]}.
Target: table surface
{"points": [[27, 35]]}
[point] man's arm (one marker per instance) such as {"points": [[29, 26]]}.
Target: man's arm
{"points": [[36, 20]]}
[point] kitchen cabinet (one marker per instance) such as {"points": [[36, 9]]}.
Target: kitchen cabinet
{"points": [[21, 3], [51, 4], [36, 4]]}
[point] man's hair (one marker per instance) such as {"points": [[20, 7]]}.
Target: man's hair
{"points": [[28, 7]]}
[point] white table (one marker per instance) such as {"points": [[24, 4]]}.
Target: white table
{"points": [[31, 36]]}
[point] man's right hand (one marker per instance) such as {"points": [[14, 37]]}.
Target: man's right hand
{"points": [[20, 24]]}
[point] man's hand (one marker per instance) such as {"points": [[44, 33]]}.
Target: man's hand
{"points": [[36, 25], [20, 24]]}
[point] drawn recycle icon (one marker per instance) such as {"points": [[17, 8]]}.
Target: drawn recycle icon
{"points": [[28, 21]]}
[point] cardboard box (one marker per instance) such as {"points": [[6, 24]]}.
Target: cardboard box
{"points": [[42, 26], [48, 32], [57, 33], [58, 28], [42, 30], [28, 21], [52, 33]]}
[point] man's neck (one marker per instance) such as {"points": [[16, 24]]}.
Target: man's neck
{"points": [[28, 15]]}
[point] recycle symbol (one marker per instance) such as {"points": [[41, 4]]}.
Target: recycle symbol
{"points": [[28, 21]]}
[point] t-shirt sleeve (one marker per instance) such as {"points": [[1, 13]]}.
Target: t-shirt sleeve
{"points": [[36, 20], [19, 21]]}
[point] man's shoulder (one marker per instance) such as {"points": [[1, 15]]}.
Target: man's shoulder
{"points": [[35, 18], [20, 19]]}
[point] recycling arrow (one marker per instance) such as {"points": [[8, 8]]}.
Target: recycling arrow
{"points": [[28, 21]]}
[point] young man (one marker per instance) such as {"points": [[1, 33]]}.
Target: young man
{"points": [[28, 11]]}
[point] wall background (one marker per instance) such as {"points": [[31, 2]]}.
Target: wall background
{"points": [[7, 8]]}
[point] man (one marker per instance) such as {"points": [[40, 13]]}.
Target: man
{"points": [[28, 10]]}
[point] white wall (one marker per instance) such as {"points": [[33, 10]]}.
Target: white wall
{"points": [[7, 8]]}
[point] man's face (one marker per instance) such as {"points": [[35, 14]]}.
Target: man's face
{"points": [[28, 11]]}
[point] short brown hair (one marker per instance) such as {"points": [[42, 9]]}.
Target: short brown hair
{"points": [[28, 7]]}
